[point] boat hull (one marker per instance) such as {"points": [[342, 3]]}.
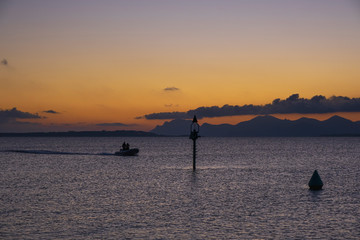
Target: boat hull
{"points": [[130, 152]]}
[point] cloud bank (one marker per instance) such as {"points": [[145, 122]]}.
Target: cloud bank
{"points": [[9, 121], [11, 115], [292, 104]]}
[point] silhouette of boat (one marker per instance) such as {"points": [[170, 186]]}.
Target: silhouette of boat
{"points": [[128, 152]]}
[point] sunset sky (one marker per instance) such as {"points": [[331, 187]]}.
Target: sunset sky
{"points": [[93, 65]]}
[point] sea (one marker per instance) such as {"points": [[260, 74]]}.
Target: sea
{"points": [[242, 188]]}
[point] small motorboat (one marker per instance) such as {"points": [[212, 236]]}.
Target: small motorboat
{"points": [[127, 152]]}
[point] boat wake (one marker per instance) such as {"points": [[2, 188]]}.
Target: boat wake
{"points": [[56, 152]]}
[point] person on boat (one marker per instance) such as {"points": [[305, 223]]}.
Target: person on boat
{"points": [[127, 146], [124, 146]]}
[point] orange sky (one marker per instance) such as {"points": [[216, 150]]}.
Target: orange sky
{"points": [[110, 61]]}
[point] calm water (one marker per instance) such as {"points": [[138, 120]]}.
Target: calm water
{"points": [[244, 188]]}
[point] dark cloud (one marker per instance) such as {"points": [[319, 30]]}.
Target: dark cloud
{"points": [[114, 124], [292, 104], [167, 115], [12, 115], [171, 89], [51, 112], [4, 62]]}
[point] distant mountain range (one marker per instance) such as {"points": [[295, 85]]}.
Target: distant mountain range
{"points": [[261, 126], [266, 126]]}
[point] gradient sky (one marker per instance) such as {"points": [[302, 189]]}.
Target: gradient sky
{"points": [[96, 62]]}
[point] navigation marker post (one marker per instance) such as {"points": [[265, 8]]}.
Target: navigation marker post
{"points": [[194, 130]]}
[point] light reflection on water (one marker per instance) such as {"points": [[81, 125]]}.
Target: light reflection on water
{"points": [[243, 188]]}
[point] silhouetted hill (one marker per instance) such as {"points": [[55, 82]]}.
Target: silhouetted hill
{"points": [[177, 127], [120, 133], [340, 126], [267, 126]]}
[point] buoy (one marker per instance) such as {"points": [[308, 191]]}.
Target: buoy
{"points": [[315, 182]]}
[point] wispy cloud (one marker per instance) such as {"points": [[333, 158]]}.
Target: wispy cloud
{"points": [[170, 89], [171, 105], [292, 104], [4, 62], [51, 112]]}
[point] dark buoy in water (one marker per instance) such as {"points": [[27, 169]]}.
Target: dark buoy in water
{"points": [[315, 182]]}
